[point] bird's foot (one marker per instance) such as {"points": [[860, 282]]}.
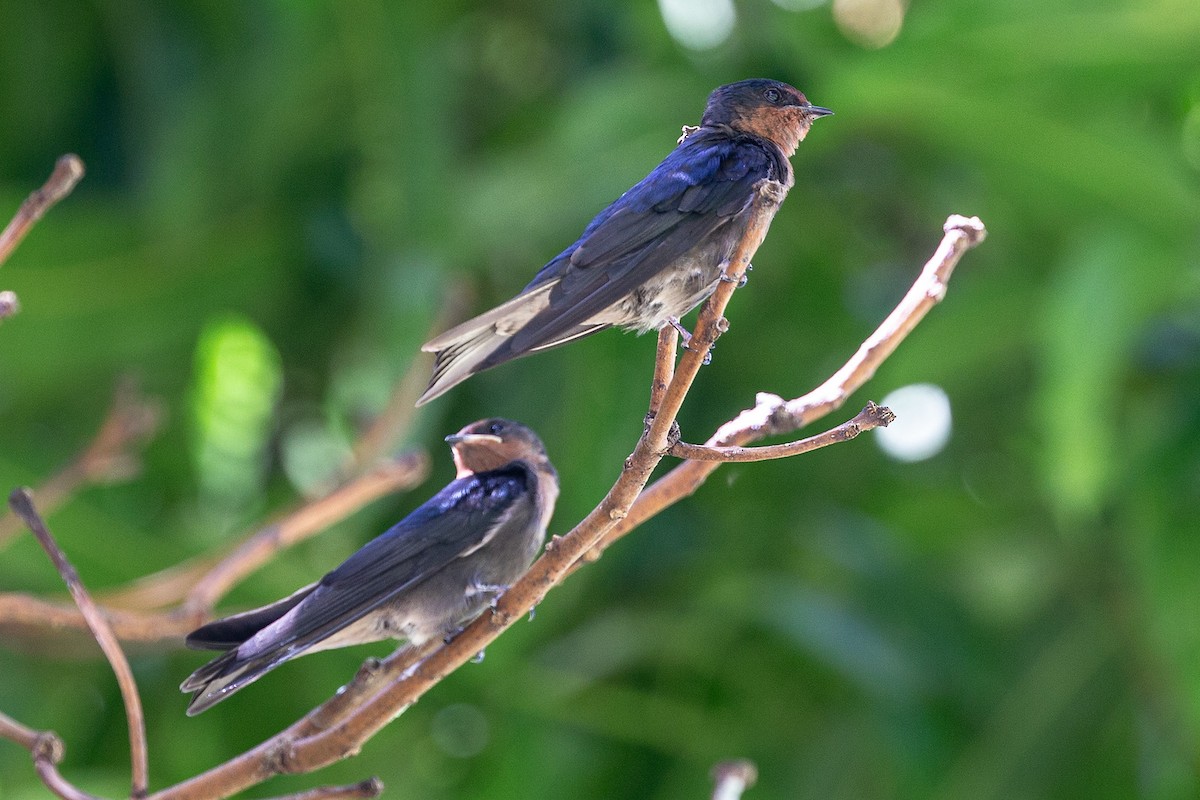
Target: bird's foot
{"points": [[494, 590], [742, 281], [684, 333], [449, 635], [686, 336]]}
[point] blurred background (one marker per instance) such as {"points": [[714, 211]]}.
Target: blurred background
{"points": [[280, 197]]}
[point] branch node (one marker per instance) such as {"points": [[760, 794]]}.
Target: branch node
{"points": [[48, 747], [880, 416], [970, 227], [279, 759]]}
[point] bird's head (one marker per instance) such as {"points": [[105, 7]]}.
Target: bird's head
{"points": [[492, 443], [770, 109]]}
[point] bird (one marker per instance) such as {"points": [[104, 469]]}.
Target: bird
{"points": [[657, 251], [424, 577]]}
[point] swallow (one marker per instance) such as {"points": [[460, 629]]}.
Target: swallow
{"points": [[656, 252], [424, 577]]}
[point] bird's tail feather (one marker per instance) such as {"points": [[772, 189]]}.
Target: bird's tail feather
{"points": [[480, 343], [224, 675], [230, 671], [229, 632]]}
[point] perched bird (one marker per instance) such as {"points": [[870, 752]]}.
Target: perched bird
{"points": [[424, 577], [658, 250]]}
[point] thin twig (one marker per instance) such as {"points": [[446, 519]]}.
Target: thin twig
{"points": [[112, 455], [47, 751], [872, 416], [67, 172], [664, 366], [731, 778], [21, 502], [371, 787], [54, 781], [27, 737]]}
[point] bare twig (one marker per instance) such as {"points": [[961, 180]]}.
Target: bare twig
{"points": [[21, 502], [664, 366], [67, 172], [47, 752], [372, 787], [731, 778], [131, 421], [27, 737], [47, 770], [872, 416]]}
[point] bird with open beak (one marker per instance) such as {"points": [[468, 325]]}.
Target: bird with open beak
{"points": [[658, 250], [423, 578]]}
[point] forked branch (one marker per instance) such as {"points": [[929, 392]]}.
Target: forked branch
{"points": [[383, 690]]}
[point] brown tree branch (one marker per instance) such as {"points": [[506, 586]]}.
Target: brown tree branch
{"points": [[21, 502], [47, 752], [664, 366], [872, 416], [27, 737], [371, 787], [732, 778], [67, 172]]}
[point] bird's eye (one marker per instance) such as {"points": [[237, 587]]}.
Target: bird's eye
{"points": [[772, 95], [496, 428]]}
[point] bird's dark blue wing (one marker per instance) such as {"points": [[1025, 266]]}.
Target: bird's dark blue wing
{"points": [[697, 189], [450, 524]]}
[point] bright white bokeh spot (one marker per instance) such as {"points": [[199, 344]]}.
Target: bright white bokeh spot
{"points": [[698, 24], [922, 425], [871, 23]]}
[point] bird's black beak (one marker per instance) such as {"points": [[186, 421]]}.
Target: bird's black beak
{"points": [[474, 438], [816, 111]]}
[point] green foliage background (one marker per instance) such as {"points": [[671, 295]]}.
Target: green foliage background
{"points": [[1018, 617]]}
